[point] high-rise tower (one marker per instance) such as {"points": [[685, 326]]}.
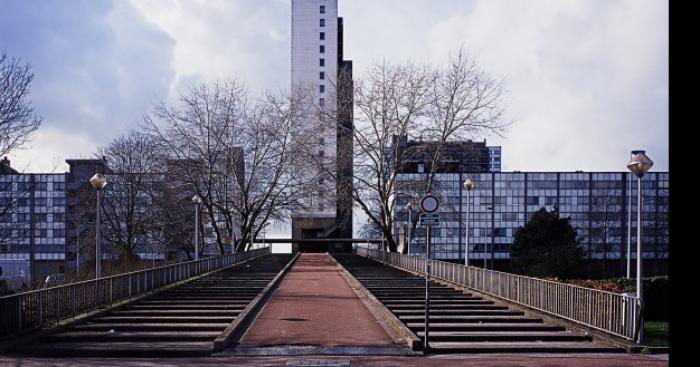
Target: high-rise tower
{"points": [[318, 68]]}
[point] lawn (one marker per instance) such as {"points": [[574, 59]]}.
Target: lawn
{"points": [[656, 334]]}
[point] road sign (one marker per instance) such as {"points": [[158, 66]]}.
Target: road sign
{"points": [[429, 219], [429, 203]]}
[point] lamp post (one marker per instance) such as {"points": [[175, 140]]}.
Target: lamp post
{"points": [[469, 186], [98, 182], [639, 165], [196, 199], [629, 219], [368, 230], [409, 207]]}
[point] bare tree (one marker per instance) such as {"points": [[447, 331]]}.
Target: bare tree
{"points": [[605, 218], [438, 105], [236, 152], [17, 118], [135, 166], [17, 123]]}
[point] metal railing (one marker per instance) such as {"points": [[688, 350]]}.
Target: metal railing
{"points": [[35, 309], [612, 313]]}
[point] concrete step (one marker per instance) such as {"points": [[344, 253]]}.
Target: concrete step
{"points": [[166, 313], [512, 336], [441, 302], [164, 319], [131, 336], [454, 326], [521, 347], [470, 319], [155, 326], [121, 349], [457, 306], [458, 312], [223, 307]]}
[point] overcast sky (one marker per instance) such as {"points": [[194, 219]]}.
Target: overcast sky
{"points": [[587, 80]]}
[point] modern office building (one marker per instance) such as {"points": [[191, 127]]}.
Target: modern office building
{"points": [[457, 156], [47, 221], [596, 202], [32, 225], [318, 67]]}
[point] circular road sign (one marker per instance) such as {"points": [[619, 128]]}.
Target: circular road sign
{"points": [[429, 203]]}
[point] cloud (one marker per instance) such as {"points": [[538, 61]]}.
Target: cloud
{"points": [[587, 79], [97, 65]]}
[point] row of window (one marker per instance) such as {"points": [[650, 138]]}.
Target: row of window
{"points": [[38, 186]]}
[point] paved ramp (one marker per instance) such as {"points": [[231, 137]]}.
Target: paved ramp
{"points": [[315, 306]]}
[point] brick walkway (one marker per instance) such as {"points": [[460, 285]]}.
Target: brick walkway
{"points": [[314, 306]]}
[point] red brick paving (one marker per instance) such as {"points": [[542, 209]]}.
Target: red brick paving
{"points": [[315, 306], [618, 360]]}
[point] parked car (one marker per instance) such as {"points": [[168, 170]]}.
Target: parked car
{"points": [[54, 280]]}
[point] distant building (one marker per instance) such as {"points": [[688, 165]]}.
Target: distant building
{"points": [[457, 156], [32, 225], [596, 202], [318, 65]]}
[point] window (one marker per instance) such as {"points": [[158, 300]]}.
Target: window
{"points": [[321, 88], [59, 233], [533, 200], [320, 153], [323, 36], [322, 75], [59, 186], [321, 141], [42, 217], [322, 23], [322, 62], [321, 101], [322, 10], [322, 49], [40, 186], [59, 217], [421, 168], [321, 181]]}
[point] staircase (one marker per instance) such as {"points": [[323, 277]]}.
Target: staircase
{"points": [[462, 322], [179, 322]]}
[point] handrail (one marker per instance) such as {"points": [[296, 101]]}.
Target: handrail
{"points": [[25, 311], [612, 313]]}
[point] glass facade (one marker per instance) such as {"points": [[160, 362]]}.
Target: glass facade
{"points": [[501, 202], [32, 218]]}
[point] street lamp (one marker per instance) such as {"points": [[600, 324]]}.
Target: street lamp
{"points": [[639, 165], [469, 186], [629, 220], [196, 199], [409, 207], [98, 182]]}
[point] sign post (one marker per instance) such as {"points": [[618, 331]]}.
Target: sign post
{"points": [[429, 204]]}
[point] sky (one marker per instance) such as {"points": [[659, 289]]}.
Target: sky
{"points": [[586, 80]]}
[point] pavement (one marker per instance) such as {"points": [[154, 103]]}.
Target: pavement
{"points": [[471, 360], [315, 306]]}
